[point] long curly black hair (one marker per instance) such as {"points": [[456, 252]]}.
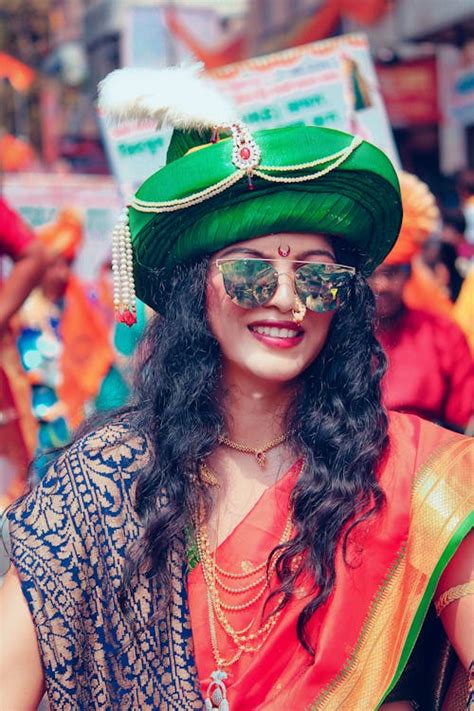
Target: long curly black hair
{"points": [[338, 421]]}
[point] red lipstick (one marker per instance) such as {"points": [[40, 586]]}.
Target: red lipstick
{"points": [[277, 334]]}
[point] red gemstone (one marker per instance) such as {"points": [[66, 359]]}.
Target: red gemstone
{"points": [[245, 153], [127, 317]]}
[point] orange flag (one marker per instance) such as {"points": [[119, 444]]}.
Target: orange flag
{"points": [[366, 12], [20, 75], [87, 354]]}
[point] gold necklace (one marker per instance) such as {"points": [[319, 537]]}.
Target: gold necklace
{"points": [[244, 640], [208, 477], [262, 579], [239, 639], [201, 534], [258, 452], [239, 591]]}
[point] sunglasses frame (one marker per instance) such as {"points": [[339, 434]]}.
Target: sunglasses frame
{"points": [[220, 261]]}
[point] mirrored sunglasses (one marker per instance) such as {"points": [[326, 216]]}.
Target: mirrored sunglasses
{"points": [[253, 282]]}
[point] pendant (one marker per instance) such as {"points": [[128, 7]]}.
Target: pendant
{"points": [[216, 699], [261, 458]]}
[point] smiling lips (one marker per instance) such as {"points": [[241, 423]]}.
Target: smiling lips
{"points": [[277, 334]]}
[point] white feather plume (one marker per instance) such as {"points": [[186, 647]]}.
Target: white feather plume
{"points": [[177, 97]]}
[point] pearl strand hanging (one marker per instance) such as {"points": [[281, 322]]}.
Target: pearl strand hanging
{"points": [[122, 269]]}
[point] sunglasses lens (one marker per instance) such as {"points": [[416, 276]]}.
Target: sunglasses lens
{"points": [[322, 287], [249, 282]]}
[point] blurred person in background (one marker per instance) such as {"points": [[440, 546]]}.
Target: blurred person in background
{"points": [[62, 340], [453, 231], [430, 367], [425, 289], [447, 254], [460, 268], [448, 260], [441, 280], [465, 187], [463, 311], [18, 243], [439, 262]]}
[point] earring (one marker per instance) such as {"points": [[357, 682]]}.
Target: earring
{"points": [[299, 310]]}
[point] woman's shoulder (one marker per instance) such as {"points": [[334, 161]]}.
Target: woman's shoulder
{"points": [[421, 433], [68, 541], [417, 445], [116, 450], [93, 480], [101, 468], [114, 436]]}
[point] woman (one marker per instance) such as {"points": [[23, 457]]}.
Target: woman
{"points": [[430, 368], [17, 241], [254, 531], [61, 340]]}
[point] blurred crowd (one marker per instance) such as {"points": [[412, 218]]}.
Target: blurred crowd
{"points": [[63, 357]]}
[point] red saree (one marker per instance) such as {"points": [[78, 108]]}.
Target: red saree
{"points": [[365, 632]]}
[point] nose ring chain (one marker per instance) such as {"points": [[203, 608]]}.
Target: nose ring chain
{"points": [[299, 310]]}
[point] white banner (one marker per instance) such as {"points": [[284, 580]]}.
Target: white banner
{"points": [[331, 83], [39, 197]]}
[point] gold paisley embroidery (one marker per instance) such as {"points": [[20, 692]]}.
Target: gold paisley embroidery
{"points": [[69, 538]]}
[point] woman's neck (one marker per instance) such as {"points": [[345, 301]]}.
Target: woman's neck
{"points": [[255, 408]]}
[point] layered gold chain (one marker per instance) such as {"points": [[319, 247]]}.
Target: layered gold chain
{"points": [[246, 641]]}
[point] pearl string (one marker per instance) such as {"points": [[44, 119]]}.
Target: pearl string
{"points": [[313, 176], [122, 270], [195, 199], [356, 141]]}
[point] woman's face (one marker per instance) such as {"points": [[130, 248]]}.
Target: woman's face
{"points": [[56, 277], [248, 345]]}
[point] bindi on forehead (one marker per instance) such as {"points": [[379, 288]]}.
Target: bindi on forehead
{"points": [[284, 250]]}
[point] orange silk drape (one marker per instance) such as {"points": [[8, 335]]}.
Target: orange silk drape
{"points": [[282, 675]]}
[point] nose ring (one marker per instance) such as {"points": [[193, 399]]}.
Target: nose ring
{"points": [[299, 310]]}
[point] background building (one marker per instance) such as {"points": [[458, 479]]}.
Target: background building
{"points": [[425, 54], [423, 49]]}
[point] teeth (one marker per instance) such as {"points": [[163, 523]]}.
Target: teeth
{"points": [[275, 332]]}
